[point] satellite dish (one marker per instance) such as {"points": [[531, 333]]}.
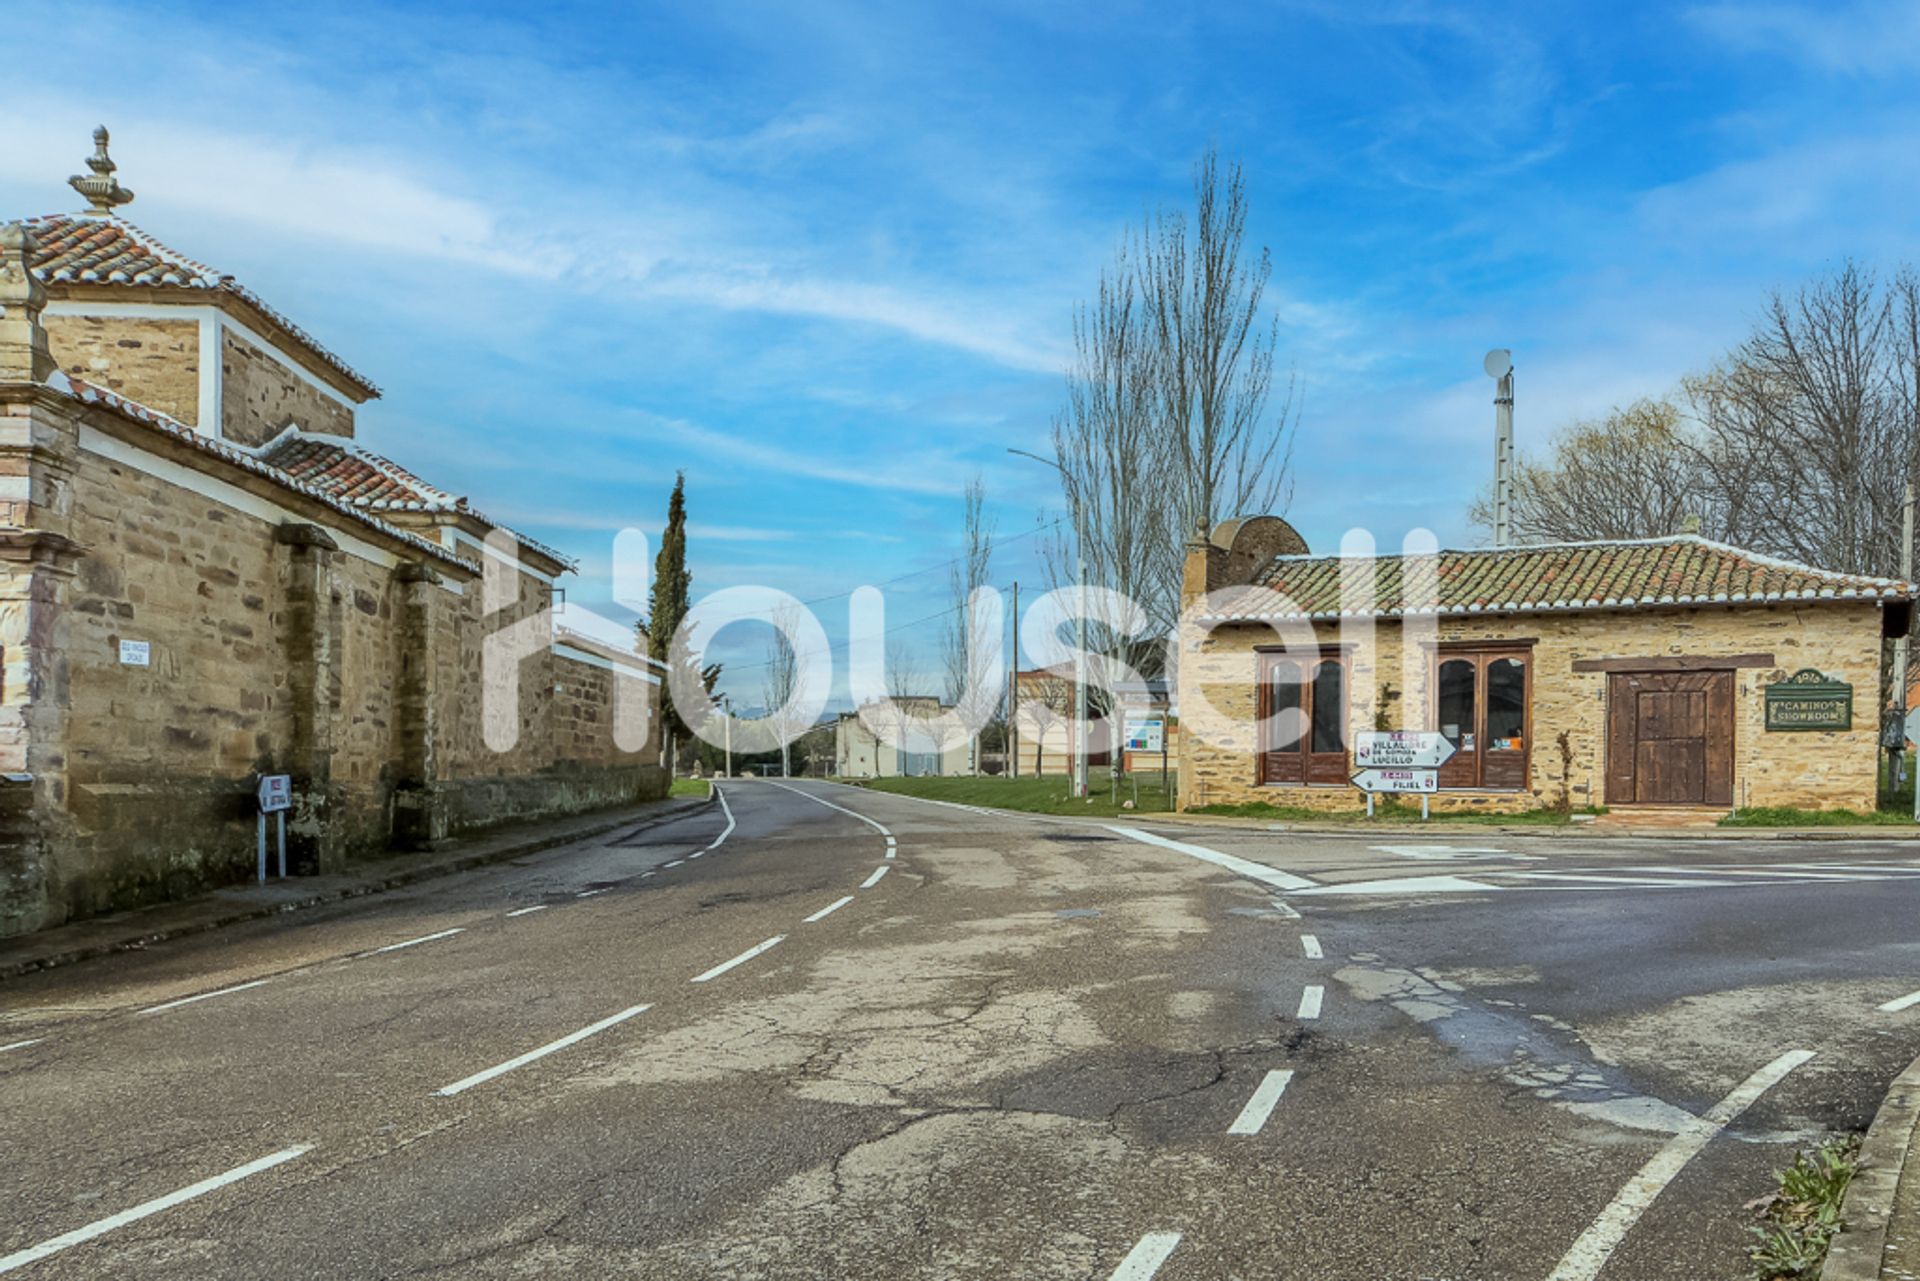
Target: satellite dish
{"points": [[1499, 363]]}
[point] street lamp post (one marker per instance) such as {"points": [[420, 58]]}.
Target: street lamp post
{"points": [[1079, 626], [726, 705]]}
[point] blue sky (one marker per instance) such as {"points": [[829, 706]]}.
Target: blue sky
{"points": [[823, 256]]}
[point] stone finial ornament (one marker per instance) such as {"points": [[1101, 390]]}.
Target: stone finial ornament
{"points": [[102, 190], [24, 356]]}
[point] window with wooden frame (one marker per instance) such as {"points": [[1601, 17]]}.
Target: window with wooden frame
{"points": [[1483, 700], [1303, 714]]}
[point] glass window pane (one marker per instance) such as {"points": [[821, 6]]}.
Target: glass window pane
{"points": [[1456, 702], [1283, 706], [1506, 705], [1329, 709]]}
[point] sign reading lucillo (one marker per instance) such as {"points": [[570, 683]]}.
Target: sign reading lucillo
{"points": [[1808, 700]]}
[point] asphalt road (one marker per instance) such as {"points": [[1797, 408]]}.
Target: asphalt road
{"points": [[836, 1034]]}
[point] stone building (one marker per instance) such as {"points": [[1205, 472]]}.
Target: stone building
{"points": [[204, 578], [903, 748], [1667, 673]]}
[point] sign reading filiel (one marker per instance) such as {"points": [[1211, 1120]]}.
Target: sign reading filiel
{"points": [[1401, 749], [1397, 780], [1809, 700], [276, 793]]}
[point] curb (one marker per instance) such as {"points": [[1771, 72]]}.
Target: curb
{"points": [[1855, 1253], [396, 880]]}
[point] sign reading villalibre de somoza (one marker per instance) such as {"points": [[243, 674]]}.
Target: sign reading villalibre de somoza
{"points": [[1809, 700]]}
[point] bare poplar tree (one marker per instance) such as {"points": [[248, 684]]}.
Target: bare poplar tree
{"points": [[781, 680], [966, 643]]}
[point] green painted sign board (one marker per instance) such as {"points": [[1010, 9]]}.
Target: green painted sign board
{"points": [[1807, 700]]}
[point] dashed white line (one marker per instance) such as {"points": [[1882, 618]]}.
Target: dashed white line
{"points": [[1908, 1001], [520, 1061], [698, 854], [523, 911], [1232, 863], [1145, 1258], [204, 996], [741, 959], [828, 910], [591, 893], [424, 938], [874, 880], [1253, 1116], [21, 1045], [676, 863], [100, 1227], [1597, 1244], [724, 809], [1310, 1000], [1310, 944]]}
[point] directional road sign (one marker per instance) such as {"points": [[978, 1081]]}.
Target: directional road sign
{"points": [[1397, 780], [1401, 749]]}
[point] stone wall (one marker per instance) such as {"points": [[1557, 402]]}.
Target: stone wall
{"points": [[1812, 770], [155, 362], [260, 395]]}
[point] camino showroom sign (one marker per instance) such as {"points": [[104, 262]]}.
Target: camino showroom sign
{"points": [[1809, 700]]}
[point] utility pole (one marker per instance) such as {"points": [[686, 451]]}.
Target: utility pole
{"points": [[1499, 366], [1079, 626], [726, 705], [1013, 694], [1901, 647]]}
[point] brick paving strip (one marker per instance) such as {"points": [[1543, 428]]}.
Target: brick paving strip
{"points": [[1881, 1241], [129, 931]]}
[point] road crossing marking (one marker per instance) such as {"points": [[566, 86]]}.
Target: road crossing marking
{"points": [[1444, 853], [1596, 1245], [520, 1061], [741, 959], [1894, 1006], [1145, 1258], [1254, 1116], [1611, 880], [424, 938], [204, 996], [828, 910], [1310, 1000], [1239, 866], [1310, 945], [874, 880], [100, 1227]]}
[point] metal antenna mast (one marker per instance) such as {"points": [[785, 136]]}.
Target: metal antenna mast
{"points": [[1499, 366]]}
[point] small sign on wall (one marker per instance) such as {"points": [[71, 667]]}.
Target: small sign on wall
{"points": [[1808, 700], [135, 653]]}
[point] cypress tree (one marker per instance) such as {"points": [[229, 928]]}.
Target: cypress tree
{"points": [[672, 585]]}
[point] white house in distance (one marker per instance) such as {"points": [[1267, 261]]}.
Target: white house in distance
{"points": [[860, 753]]}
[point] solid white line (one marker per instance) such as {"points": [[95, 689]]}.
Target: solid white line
{"points": [[100, 1227], [522, 911], [1604, 880], [21, 1045], [828, 910], [1755, 871], [1891, 1007], [1253, 1116], [1311, 946], [725, 809], [424, 938], [1310, 999], [519, 1061], [204, 996], [1145, 1258], [741, 959], [830, 805], [1590, 1253], [874, 880], [1240, 866]]}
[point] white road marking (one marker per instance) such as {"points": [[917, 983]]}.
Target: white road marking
{"points": [[1908, 1001], [100, 1227], [1591, 1252], [523, 911], [1751, 871], [1253, 1116], [21, 1045], [1410, 885], [741, 959], [520, 1061], [1239, 866], [424, 938], [1609, 880], [874, 880], [724, 809], [1145, 1258], [878, 827], [697, 854], [204, 996], [1442, 853], [1310, 1000], [591, 893], [676, 863], [1311, 946], [828, 910]]}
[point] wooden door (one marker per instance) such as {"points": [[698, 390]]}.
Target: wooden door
{"points": [[1670, 738]]}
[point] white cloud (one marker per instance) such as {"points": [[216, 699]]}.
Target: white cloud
{"points": [[1877, 37]]}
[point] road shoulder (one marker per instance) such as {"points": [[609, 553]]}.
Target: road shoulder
{"points": [[1882, 1208]]}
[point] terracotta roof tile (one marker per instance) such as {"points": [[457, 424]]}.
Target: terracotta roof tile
{"points": [[94, 249], [1681, 570]]}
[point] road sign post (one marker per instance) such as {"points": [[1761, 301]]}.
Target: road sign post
{"points": [[275, 794]]}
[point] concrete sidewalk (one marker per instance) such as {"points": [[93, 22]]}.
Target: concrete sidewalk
{"points": [[126, 931], [1882, 1210]]}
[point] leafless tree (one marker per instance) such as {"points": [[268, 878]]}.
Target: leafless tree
{"points": [[782, 678], [967, 644]]}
